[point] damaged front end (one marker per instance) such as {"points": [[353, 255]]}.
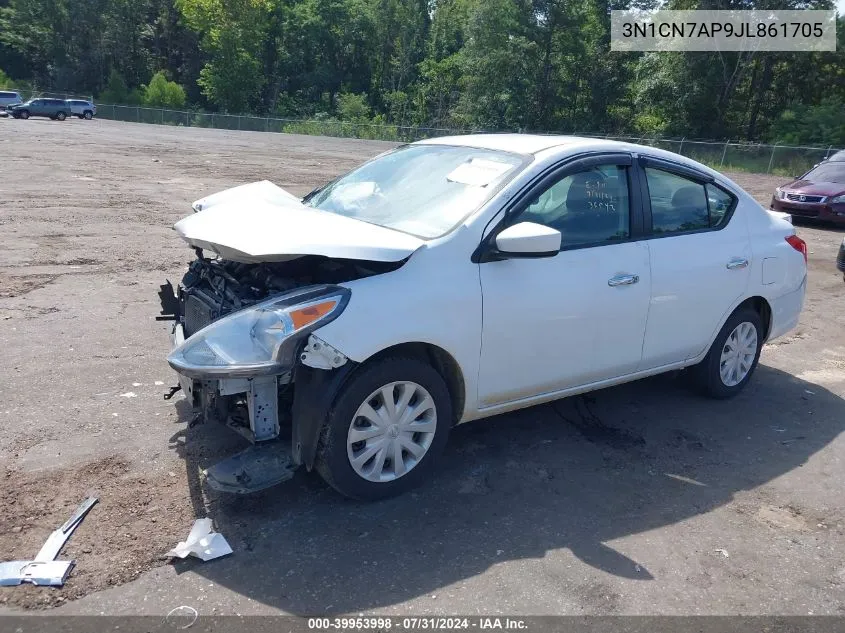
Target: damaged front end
{"points": [[246, 356], [244, 343]]}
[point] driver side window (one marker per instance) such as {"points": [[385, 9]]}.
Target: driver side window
{"points": [[589, 207]]}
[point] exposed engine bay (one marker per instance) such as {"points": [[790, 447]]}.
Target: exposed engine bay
{"points": [[212, 288], [260, 408]]}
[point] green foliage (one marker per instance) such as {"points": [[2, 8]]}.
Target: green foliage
{"points": [[163, 93], [801, 126], [352, 107], [115, 90], [5, 80], [532, 65]]}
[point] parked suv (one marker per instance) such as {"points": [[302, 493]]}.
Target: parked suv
{"points": [[9, 98], [56, 109], [82, 109]]}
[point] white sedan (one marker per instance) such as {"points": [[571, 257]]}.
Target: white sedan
{"points": [[459, 278]]}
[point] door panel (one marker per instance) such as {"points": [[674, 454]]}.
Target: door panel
{"points": [[695, 276], [556, 322], [551, 324]]}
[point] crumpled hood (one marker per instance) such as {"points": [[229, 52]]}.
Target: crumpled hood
{"points": [[261, 190], [261, 222]]}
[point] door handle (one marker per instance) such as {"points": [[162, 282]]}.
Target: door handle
{"points": [[737, 262], [623, 280]]}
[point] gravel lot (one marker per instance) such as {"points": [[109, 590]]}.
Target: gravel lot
{"points": [[641, 499]]}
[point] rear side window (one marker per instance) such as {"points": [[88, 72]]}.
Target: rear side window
{"points": [[719, 202], [680, 205]]}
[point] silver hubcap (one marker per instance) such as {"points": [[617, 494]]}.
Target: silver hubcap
{"points": [[391, 431], [738, 354]]}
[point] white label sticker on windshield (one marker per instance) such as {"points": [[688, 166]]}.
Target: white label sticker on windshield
{"points": [[477, 172]]}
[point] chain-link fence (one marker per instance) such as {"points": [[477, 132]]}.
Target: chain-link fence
{"points": [[314, 127], [783, 160]]}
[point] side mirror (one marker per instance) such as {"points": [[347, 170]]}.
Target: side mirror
{"points": [[528, 239]]}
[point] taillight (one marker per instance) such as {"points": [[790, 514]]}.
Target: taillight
{"points": [[799, 245]]}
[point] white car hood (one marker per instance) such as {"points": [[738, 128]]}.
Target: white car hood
{"points": [[261, 222], [261, 190]]}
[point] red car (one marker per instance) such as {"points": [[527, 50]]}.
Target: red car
{"points": [[818, 194]]}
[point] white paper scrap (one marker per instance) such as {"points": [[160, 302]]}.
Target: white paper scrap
{"points": [[202, 542], [477, 172]]}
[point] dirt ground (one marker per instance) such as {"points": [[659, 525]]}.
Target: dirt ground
{"points": [[641, 499]]}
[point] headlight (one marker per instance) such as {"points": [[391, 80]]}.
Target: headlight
{"points": [[780, 194], [258, 340], [836, 199]]}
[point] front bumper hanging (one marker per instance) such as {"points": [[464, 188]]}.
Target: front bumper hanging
{"points": [[318, 374]]}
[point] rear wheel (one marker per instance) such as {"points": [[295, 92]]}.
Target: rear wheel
{"points": [[732, 358], [61, 116], [386, 430]]}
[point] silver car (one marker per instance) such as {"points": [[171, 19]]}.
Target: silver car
{"points": [[9, 98], [81, 108]]}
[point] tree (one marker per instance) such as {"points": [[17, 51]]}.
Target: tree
{"points": [[821, 124], [542, 65], [163, 93]]}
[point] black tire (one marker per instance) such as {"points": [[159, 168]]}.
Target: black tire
{"points": [[332, 459], [706, 376], [24, 114], [87, 115], [61, 116]]}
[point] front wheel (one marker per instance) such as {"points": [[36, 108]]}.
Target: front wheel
{"points": [[732, 358], [386, 429], [24, 114], [61, 116], [88, 115]]}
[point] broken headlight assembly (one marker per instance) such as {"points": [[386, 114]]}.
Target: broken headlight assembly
{"points": [[261, 339]]}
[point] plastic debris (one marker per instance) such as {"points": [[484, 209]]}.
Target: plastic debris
{"points": [[58, 538], [202, 542], [723, 552], [178, 614], [43, 573], [44, 570]]}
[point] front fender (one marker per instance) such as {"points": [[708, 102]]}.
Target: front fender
{"points": [[315, 391]]}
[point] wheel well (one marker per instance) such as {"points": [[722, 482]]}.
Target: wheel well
{"points": [[442, 361], [762, 307]]}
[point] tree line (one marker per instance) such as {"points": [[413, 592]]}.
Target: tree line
{"points": [[531, 65]]}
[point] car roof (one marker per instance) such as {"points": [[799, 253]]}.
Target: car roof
{"points": [[519, 143], [838, 157]]}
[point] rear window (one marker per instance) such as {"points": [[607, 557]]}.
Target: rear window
{"points": [[679, 205], [8, 95]]}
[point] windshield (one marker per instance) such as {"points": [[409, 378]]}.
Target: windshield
{"points": [[425, 190], [827, 172]]}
